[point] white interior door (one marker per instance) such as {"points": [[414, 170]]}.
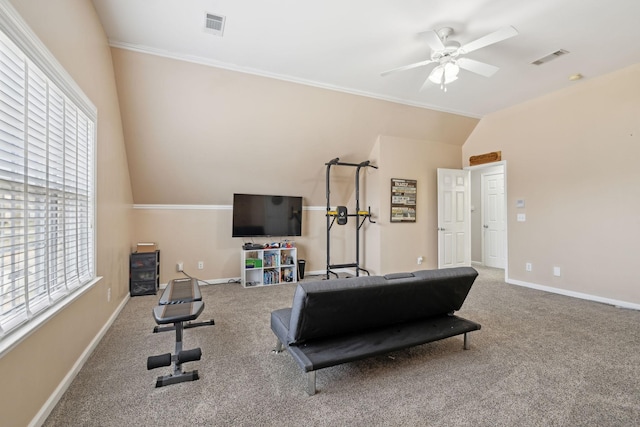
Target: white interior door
{"points": [[493, 220], [454, 224]]}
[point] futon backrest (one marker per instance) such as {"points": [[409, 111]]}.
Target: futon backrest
{"points": [[342, 306]]}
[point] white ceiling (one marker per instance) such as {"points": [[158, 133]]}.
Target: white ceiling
{"points": [[346, 44]]}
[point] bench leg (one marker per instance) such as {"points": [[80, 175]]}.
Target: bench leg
{"points": [[177, 378], [178, 359], [190, 325], [311, 383], [466, 341]]}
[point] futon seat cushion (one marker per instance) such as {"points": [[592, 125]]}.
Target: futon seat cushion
{"points": [[330, 351]]}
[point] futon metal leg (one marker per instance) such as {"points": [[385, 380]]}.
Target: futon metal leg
{"points": [[466, 341], [279, 347], [311, 383]]}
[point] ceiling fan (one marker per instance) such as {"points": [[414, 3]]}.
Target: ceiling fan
{"points": [[450, 55]]}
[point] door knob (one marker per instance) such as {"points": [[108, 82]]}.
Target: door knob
{"points": [[485, 226]]}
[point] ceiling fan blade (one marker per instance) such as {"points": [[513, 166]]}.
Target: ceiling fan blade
{"points": [[495, 37], [426, 85], [408, 67], [433, 40], [477, 67]]}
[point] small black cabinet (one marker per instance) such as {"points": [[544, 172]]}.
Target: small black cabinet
{"points": [[144, 273]]}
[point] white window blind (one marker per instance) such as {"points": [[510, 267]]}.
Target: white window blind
{"points": [[47, 194]]}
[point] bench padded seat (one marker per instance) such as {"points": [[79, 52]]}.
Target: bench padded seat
{"points": [[181, 290], [173, 313]]}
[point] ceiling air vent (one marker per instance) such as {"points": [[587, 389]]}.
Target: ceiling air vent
{"points": [[214, 24], [550, 57]]}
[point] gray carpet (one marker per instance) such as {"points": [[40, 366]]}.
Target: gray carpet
{"points": [[540, 360]]}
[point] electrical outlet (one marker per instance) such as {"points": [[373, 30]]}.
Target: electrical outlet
{"points": [[180, 267], [420, 259], [109, 295], [200, 265], [528, 266], [556, 271]]}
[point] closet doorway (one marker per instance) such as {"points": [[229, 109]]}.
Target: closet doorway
{"points": [[489, 215]]}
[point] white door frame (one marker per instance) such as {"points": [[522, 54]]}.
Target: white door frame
{"points": [[502, 163]]}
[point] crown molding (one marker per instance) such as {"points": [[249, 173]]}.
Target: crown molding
{"points": [[246, 70]]}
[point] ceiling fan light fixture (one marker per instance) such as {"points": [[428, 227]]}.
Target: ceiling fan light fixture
{"points": [[444, 74], [449, 56]]}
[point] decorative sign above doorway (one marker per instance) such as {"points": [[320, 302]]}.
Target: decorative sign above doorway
{"points": [[494, 156]]}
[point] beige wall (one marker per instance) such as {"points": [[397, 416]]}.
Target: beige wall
{"points": [[572, 156], [196, 134], [401, 244], [190, 234], [33, 369], [194, 234]]}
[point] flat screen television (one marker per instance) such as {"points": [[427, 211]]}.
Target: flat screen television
{"points": [[257, 215]]}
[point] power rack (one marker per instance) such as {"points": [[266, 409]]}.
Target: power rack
{"points": [[341, 215]]}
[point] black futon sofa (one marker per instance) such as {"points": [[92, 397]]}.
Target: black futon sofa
{"points": [[343, 320]]}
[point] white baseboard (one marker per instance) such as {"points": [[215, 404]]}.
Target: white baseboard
{"points": [[348, 271], [589, 297], [55, 397], [223, 281], [205, 282]]}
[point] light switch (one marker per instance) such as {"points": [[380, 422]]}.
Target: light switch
{"points": [[522, 217]]}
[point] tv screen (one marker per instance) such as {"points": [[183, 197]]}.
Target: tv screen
{"points": [[256, 215]]}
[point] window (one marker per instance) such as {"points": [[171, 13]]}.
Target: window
{"points": [[47, 194]]}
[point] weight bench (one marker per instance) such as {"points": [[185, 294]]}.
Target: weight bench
{"points": [[179, 291], [180, 303]]}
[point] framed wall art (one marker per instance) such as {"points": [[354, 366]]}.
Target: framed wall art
{"points": [[403, 200]]}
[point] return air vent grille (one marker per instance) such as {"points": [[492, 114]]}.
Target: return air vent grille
{"points": [[214, 24], [550, 57]]}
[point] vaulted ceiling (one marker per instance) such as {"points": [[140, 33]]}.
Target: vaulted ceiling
{"points": [[346, 45]]}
